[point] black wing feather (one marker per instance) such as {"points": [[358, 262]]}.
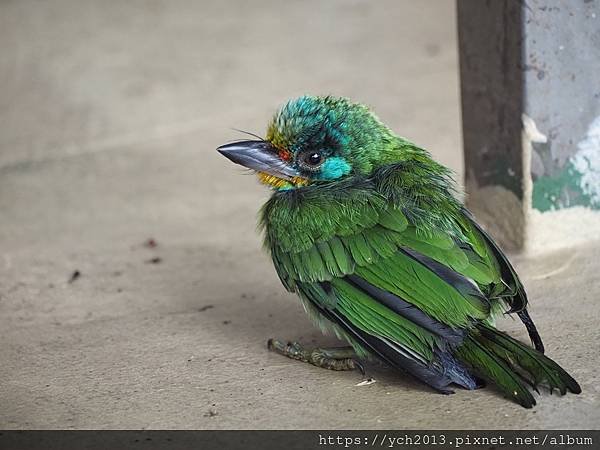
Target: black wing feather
{"points": [[407, 310]]}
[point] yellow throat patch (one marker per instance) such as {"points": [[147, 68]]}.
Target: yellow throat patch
{"points": [[278, 183]]}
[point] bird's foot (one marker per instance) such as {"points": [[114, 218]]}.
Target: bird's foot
{"points": [[336, 358]]}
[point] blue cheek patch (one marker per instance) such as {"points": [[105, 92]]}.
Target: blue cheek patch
{"points": [[334, 168]]}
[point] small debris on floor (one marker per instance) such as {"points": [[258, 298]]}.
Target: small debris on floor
{"points": [[205, 307], [74, 276], [211, 413], [117, 273], [150, 243], [155, 260], [366, 382], [226, 322]]}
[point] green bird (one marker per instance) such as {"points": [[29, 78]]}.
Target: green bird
{"points": [[365, 227]]}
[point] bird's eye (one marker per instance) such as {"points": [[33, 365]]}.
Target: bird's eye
{"points": [[311, 160]]}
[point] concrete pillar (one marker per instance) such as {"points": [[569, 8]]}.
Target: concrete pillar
{"points": [[530, 81]]}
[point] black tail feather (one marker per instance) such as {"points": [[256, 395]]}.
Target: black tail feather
{"points": [[535, 337], [491, 367], [538, 367]]}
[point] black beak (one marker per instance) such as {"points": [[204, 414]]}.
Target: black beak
{"points": [[259, 156]]}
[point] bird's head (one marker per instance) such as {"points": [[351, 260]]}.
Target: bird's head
{"points": [[317, 139]]}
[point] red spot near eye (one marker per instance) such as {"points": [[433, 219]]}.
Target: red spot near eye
{"points": [[285, 155]]}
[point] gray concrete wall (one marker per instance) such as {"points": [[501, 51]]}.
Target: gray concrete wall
{"points": [[561, 61], [490, 46], [530, 78]]}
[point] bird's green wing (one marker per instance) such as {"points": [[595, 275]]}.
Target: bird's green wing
{"points": [[430, 270], [330, 237], [447, 276], [390, 286]]}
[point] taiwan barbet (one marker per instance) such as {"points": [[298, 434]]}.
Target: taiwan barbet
{"points": [[364, 226]]}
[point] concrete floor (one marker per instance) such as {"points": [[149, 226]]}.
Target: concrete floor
{"points": [[109, 116]]}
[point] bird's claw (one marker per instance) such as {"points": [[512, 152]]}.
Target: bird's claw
{"points": [[341, 358]]}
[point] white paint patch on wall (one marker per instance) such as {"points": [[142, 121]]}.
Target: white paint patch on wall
{"points": [[587, 162], [575, 226], [531, 130]]}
